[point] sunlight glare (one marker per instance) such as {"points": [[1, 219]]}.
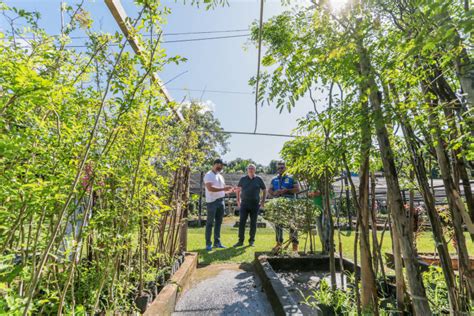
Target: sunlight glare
{"points": [[338, 5]]}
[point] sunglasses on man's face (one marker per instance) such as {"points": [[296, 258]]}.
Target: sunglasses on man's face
{"points": [[282, 167]]}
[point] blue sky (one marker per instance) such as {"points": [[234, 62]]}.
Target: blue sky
{"points": [[225, 64]]}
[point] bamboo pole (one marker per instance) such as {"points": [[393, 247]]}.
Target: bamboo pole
{"points": [[120, 16]]}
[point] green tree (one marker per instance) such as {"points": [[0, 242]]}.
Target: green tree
{"points": [[272, 167], [239, 165], [93, 191], [213, 142], [393, 63]]}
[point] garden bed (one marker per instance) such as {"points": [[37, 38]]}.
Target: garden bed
{"points": [[426, 259], [433, 259], [287, 280], [165, 300], [390, 261]]}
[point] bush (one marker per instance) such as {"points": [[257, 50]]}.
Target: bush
{"points": [[297, 214], [436, 290]]}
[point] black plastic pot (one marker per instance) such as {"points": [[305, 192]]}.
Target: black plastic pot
{"points": [[160, 278], [153, 288], [175, 267], [327, 310], [142, 301], [159, 288]]}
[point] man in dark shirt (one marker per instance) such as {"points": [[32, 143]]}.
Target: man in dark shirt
{"points": [[249, 202]]}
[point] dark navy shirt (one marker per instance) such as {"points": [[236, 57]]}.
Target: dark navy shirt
{"points": [[283, 182], [250, 192]]}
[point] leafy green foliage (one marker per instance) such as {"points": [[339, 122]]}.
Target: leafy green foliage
{"points": [[395, 65], [239, 165], [436, 290], [212, 141], [299, 214], [93, 167], [343, 302]]}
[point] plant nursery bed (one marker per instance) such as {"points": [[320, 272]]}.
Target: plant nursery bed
{"points": [[433, 259], [287, 280], [426, 259], [390, 261], [165, 300]]}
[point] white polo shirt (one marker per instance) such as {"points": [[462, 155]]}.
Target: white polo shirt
{"points": [[217, 181]]}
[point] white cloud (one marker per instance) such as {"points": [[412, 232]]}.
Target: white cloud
{"points": [[206, 106]]}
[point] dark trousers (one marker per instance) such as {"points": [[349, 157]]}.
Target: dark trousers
{"points": [[245, 211], [279, 235], [215, 212], [279, 230]]}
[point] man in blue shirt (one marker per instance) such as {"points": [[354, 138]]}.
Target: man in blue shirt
{"points": [[284, 185]]}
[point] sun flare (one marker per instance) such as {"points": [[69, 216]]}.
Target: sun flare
{"points": [[338, 5]]}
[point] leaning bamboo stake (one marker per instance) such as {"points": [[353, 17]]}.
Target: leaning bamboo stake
{"points": [[120, 16]]}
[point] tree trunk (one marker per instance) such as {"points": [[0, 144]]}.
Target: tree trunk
{"points": [[348, 203], [183, 235], [429, 201], [465, 72], [415, 281], [456, 206], [322, 234], [449, 99], [356, 238], [327, 209], [367, 276], [368, 285], [375, 242], [399, 277], [411, 210]]}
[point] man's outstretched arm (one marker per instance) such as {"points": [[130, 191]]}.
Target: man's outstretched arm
{"points": [[210, 188]]}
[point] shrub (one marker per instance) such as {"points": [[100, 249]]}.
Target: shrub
{"points": [[297, 214]]}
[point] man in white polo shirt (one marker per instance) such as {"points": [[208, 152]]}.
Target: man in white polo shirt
{"points": [[215, 193]]}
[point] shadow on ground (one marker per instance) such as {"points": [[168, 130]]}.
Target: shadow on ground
{"points": [[226, 254]]}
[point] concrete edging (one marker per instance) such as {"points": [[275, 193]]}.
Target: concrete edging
{"points": [[279, 297], [281, 300], [165, 302]]}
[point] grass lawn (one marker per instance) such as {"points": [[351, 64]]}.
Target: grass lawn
{"points": [[265, 240]]}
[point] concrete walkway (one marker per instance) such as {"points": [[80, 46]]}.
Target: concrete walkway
{"points": [[224, 289]]}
